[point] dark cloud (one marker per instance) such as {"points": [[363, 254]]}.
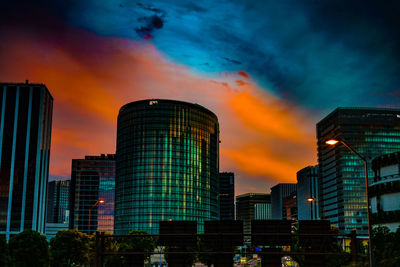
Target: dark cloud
{"points": [[232, 61], [158, 11], [151, 23]]}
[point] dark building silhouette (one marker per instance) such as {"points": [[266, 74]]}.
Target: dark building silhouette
{"points": [[307, 193], [92, 180], [369, 131], [57, 201], [278, 193], [245, 208], [167, 165], [25, 132], [227, 196]]}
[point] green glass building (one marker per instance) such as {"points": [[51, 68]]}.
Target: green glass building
{"points": [[369, 131], [167, 164]]}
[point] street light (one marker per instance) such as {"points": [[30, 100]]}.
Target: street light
{"points": [[90, 210], [334, 142]]}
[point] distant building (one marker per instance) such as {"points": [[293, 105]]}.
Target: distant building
{"points": [[167, 165], [53, 228], [262, 211], [227, 196], [384, 191], [92, 180], [57, 201], [245, 208], [278, 193], [289, 207], [369, 131], [25, 133], [307, 193]]}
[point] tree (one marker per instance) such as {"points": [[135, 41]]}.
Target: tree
{"points": [[386, 248], [4, 253], [139, 241], [69, 248], [29, 248]]}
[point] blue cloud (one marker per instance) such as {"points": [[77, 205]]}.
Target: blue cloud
{"points": [[317, 54]]}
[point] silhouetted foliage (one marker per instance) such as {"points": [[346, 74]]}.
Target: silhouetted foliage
{"points": [[386, 246], [69, 248], [4, 253], [29, 248], [140, 241]]}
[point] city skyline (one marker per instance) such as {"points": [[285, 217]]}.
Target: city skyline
{"points": [[269, 86]]}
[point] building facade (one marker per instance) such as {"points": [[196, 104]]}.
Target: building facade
{"points": [[92, 181], [245, 208], [370, 132], [262, 211], [278, 193], [384, 191], [58, 201], [226, 196], [25, 133], [167, 165], [307, 193], [289, 207]]}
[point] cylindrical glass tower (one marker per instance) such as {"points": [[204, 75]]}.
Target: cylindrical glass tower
{"points": [[167, 164]]}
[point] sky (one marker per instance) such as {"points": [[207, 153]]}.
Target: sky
{"points": [[270, 70]]}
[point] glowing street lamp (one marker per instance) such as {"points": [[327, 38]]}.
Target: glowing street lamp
{"points": [[90, 210], [334, 142]]}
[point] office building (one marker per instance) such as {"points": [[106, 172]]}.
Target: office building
{"points": [[57, 201], [226, 196], [278, 193], [167, 165], [307, 193], [289, 207], [92, 194], [262, 211], [370, 132], [245, 208], [25, 131], [384, 191]]}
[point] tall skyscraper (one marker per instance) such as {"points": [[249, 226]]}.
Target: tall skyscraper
{"points": [[58, 201], [307, 193], [227, 196], [245, 208], [92, 181], [278, 193], [25, 132], [167, 165], [369, 131]]}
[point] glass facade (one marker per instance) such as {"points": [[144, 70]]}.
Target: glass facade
{"points": [[307, 187], [167, 165], [57, 201], [371, 132], [92, 180], [227, 195], [25, 132], [245, 208], [278, 193]]}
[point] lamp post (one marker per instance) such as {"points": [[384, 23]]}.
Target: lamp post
{"points": [[333, 142], [90, 210]]}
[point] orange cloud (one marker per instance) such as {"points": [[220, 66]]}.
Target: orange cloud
{"points": [[264, 139]]}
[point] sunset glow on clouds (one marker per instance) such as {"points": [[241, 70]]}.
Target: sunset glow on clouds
{"points": [[264, 140]]}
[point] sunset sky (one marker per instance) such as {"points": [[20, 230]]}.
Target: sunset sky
{"points": [[270, 70]]}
